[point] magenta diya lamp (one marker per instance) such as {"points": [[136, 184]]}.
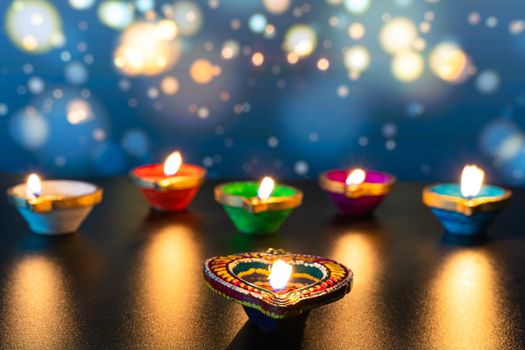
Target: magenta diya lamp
{"points": [[356, 192], [277, 289], [467, 208], [258, 208], [170, 186], [54, 207]]}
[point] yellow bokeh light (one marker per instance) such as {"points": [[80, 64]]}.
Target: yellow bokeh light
{"points": [[407, 66], [323, 64], [166, 30], [300, 39], [356, 31], [230, 49], [169, 85], [257, 59], [356, 59], [79, 111], [203, 71], [276, 6], [142, 52], [292, 58], [398, 35], [449, 62]]}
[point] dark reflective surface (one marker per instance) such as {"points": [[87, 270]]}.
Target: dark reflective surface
{"points": [[132, 278]]}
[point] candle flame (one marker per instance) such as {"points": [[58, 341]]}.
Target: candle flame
{"points": [[280, 274], [266, 188], [172, 163], [355, 177], [33, 186], [471, 180]]}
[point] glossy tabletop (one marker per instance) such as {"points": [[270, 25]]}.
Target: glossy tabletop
{"points": [[132, 278]]}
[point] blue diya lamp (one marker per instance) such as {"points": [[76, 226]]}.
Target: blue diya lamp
{"points": [[277, 289], [469, 208]]}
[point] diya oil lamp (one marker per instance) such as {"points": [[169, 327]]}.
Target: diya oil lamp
{"points": [[54, 207], [277, 289], [356, 192], [170, 186], [469, 207], [258, 208]]}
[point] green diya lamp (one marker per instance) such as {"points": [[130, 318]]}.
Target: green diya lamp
{"points": [[258, 208], [277, 289]]}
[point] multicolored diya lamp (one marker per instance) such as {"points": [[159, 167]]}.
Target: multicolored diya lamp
{"points": [[54, 207], [258, 208], [356, 192], [277, 289], [466, 209], [170, 186]]}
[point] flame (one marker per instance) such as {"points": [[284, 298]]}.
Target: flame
{"points": [[172, 163], [33, 186], [266, 188], [355, 177], [280, 274], [471, 180]]}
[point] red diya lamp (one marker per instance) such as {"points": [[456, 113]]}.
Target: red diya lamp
{"points": [[170, 186], [356, 192], [277, 289]]}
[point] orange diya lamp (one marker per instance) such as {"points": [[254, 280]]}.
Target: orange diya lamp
{"points": [[277, 289], [170, 186]]}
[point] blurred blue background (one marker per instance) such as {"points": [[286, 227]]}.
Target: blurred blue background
{"points": [[246, 88]]}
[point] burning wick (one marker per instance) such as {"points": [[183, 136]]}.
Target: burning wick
{"points": [[280, 274], [172, 163], [355, 177], [34, 186], [265, 188], [471, 180]]}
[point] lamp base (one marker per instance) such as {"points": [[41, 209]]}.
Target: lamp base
{"points": [[355, 206], [171, 201], [56, 222], [270, 324], [459, 224], [257, 224]]}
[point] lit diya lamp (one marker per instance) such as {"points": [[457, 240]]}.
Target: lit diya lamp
{"points": [[170, 186], [258, 208], [277, 289], [356, 192], [466, 209], [53, 207]]}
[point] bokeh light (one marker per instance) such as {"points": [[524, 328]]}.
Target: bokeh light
{"points": [[449, 62], [29, 128], [257, 23], [169, 85], [203, 71], [78, 111], [76, 73], [487, 81], [357, 7], [301, 40], [398, 35], [356, 59], [81, 4], [407, 66], [142, 52], [34, 25], [136, 143], [277, 6], [230, 49], [188, 17], [116, 14]]}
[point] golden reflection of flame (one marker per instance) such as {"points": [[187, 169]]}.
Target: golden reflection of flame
{"points": [[466, 304], [169, 286], [38, 310], [357, 315]]}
